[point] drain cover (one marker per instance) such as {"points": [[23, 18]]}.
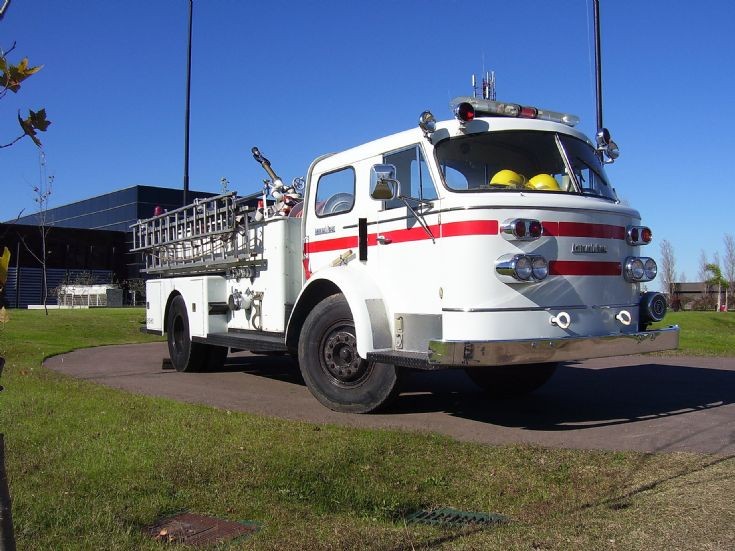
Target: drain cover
{"points": [[199, 530], [455, 517]]}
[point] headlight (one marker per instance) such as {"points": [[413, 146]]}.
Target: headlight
{"points": [[521, 267], [540, 267], [649, 268], [639, 269]]}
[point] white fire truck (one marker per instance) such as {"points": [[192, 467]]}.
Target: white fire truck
{"points": [[493, 242]]}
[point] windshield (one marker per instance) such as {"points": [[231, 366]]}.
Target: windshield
{"points": [[522, 160]]}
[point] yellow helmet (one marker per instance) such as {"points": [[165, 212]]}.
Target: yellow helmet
{"points": [[545, 182], [508, 178]]}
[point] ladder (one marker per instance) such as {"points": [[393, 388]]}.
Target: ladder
{"points": [[207, 236]]}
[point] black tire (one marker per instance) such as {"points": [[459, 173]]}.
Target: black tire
{"points": [[507, 381], [331, 367], [185, 355]]}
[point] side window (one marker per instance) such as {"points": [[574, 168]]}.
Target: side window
{"points": [[413, 174], [335, 192]]}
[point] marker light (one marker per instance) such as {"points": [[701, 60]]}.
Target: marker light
{"points": [[464, 112], [521, 229], [638, 235], [522, 267], [639, 269]]}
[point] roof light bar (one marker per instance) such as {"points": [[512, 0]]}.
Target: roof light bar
{"points": [[486, 107]]}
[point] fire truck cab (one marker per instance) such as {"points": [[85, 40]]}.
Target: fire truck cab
{"points": [[492, 242]]}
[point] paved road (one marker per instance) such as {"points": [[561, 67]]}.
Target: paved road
{"points": [[640, 403]]}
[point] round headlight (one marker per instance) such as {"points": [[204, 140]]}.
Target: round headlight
{"points": [[634, 269], [649, 268], [540, 267], [523, 268]]}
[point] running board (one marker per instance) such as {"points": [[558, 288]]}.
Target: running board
{"points": [[254, 341]]}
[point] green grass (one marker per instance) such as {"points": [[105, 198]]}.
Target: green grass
{"points": [[703, 333], [90, 467]]}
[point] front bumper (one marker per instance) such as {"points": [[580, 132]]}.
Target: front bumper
{"points": [[487, 353]]}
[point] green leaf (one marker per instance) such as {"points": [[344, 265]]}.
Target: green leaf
{"points": [[13, 75]]}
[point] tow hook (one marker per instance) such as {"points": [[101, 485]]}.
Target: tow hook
{"points": [[624, 317], [562, 320]]}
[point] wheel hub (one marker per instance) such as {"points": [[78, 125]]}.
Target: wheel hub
{"points": [[340, 357]]}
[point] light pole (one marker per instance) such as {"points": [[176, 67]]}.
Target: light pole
{"points": [[187, 116], [598, 65]]}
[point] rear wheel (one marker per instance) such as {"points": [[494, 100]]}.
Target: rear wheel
{"points": [[331, 367], [511, 380], [186, 355]]}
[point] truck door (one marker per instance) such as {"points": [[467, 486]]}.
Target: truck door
{"points": [[331, 233], [408, 264]]}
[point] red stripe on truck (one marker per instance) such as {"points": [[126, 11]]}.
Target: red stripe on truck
{"points": [[582, 229], [467, 228]]}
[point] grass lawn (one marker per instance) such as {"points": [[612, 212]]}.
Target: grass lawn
{"points": [[703, 333], [90, 467]]}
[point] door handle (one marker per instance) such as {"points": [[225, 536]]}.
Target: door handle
{"points": [[383, 240]]}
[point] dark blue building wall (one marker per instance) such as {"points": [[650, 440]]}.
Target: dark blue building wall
{"points": [[115, 211], [69, 252]]}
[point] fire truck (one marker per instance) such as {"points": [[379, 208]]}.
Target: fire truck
{"points": [[492, 242]]}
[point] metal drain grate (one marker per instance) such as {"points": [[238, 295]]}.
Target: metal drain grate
{"points": [[455, 517], [199, 530]]}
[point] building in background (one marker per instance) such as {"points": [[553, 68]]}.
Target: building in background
{"points": [[88, 239], [114, 211]]}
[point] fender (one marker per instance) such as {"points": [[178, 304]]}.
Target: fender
{"points": [[363, 296]]}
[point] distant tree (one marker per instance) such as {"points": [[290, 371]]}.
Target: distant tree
{"points": [[729, 267], [716, 279], [668, 268], [702, 272], [42, 193], [136, 289]]}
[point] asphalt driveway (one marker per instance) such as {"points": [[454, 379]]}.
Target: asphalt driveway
{"points": [[644, 403]]}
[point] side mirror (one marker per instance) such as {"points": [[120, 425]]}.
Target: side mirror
{"points": [[383, 183], [607, 148]]}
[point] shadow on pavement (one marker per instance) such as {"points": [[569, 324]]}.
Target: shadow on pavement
{"points": [[579, 398], [575, 398]]}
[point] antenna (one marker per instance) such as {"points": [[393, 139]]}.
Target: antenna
{"points": [[488, 86]]}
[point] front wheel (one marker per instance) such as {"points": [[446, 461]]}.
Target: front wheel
{"points": [[506, 381], [331, 367]]}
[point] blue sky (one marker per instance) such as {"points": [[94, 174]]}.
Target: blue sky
{"points": [[299, 79]]}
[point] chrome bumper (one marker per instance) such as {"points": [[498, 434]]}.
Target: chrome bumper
{"points": [[479, 353]]}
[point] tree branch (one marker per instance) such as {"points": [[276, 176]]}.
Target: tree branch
{"points": [[14, 141]]}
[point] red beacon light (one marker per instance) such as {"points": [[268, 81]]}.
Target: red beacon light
{"points": [[464, 112]]}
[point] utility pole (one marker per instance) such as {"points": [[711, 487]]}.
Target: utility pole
{"points": [[187, 117]]}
